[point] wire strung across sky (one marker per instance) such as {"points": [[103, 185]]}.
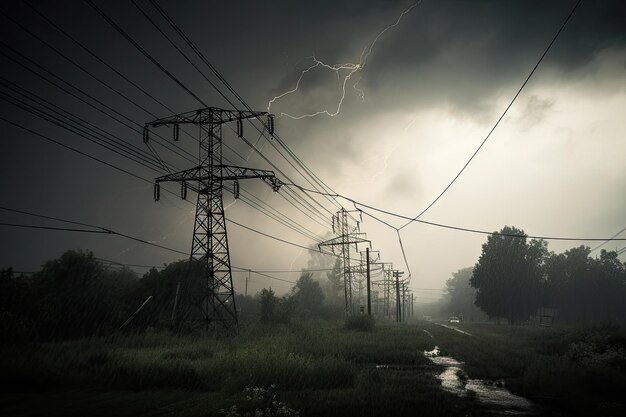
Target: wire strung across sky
{"points": [[136, 45], [545, 52], [264, 129], [62, 123], [359, 205], [103, 230], [319, 187]]}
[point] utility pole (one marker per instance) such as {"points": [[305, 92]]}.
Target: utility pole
{"points": [[247, 279], [387, 288], [216, 301], [397, 275], [369, 295], [404, 309]]}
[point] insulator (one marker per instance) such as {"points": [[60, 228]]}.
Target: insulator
{"points": [[236, 189], [183, 190], [175, 132], [270, 124], [157, 192], [146, 134], [239, 128], [333, 225]]}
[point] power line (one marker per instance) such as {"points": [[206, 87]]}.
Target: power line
{"points": [[77, 131], [604, 243], [81, 152], [229, 87], [134, 43], [64, 125], [115, 141], [63, 229], [102, 61], [143, 51], [91, 53], [271, 237], [239, 269], [104, 162], [462, 229], [499, 119], [41, 135], [65, 90], [73, 62], [99, 228]]}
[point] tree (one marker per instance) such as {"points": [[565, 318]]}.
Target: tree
{"points": [[308, 295], [17, 308], [162, 285], [334, 289], [508, 275], [463, 296], [75, 296], [268, 302]]}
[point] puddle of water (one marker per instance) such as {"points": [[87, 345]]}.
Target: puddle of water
{"points": [[499, 396], [453, 379]]}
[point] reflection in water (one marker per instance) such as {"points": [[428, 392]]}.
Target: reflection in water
{"points": [[453, 379]]}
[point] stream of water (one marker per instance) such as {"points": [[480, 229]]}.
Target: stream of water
{"points": [[455, 380]]}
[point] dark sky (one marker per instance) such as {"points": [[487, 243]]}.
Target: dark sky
{"points": [[430, 90]]}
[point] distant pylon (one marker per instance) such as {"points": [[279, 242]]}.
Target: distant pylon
{"points": [[345, 238], [216, 302]]}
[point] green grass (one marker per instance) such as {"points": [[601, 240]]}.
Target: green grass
{"points": [[319, 368]]}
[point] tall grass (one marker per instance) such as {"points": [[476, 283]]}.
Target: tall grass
{"points": [[300, 356]]}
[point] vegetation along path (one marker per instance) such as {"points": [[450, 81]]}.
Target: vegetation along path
{"points": [[315, 368]]}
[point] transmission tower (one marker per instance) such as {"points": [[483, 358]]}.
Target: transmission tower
{"points": [[346, 236], [386, 284], [216, 303]]}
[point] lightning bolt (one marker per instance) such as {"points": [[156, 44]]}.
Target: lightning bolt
{"points": [[344, 73]]}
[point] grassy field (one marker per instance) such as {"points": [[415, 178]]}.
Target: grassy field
{"points": [[316, 368], [565, 370]]}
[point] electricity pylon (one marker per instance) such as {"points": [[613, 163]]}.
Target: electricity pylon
{"points": [[209, 245], [346, 238], [386, 284]]}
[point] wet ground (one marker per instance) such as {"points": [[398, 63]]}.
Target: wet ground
{"points": [[491, 393]]}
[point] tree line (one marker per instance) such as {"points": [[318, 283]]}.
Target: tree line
{"points": [[515, 276], [76, 295]]}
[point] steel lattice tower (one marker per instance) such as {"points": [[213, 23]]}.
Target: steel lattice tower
{"points": [[344, 240], [216, 303]]}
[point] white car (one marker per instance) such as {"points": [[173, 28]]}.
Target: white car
{"points": [[454, 319]]}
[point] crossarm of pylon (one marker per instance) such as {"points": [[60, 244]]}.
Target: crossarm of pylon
{"points": [[230, 172], [192, 174], [345, 239], [206, 115]]}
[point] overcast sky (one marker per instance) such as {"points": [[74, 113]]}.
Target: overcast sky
{"points": [[431, 89]]}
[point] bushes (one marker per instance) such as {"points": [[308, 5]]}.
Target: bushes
{"points": [[360, 322]]}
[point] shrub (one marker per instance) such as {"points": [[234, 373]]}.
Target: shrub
{"points": [[360, 322]]}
